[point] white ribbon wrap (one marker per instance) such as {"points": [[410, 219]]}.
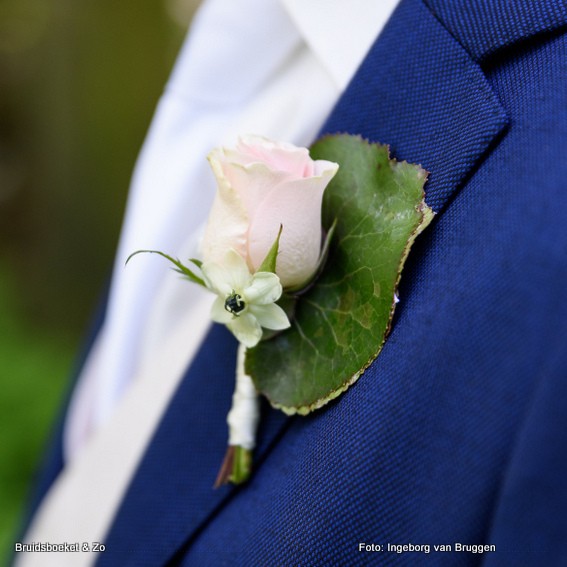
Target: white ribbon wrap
{"points": [[243, 417]]}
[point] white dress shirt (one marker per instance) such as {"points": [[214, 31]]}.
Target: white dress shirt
{"points": [[268, 67]]}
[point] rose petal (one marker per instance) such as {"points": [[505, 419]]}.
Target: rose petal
{"points": [[325, 168], [228, 221], [297, 206], [278, 156], [271, 316], [253, 182], [265, 288], [246, 329]]}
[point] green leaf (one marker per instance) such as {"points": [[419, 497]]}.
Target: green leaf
{"points": [[341, 322], [269, 263], [179, 267]]}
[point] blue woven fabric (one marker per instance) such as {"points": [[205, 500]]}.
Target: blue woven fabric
{"points": [[457, 433], [485, 26]]}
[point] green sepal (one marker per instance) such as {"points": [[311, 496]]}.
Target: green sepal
{"points": [[269, 263], [179, 267]]}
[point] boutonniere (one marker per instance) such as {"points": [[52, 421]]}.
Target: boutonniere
{"points": [[304, 250]]}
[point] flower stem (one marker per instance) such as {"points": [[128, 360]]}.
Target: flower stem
{"points": [[242, 423], [236, 466]]}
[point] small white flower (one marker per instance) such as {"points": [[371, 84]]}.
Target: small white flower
{"points": [[245, 302]]}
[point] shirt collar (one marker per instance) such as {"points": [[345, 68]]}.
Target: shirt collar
{"points": [[339, 33]]}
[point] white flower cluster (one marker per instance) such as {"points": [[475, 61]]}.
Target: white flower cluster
{"points": [[245, 302]]}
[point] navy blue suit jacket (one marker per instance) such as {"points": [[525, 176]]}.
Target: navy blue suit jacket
{"points": [[457, 433]]}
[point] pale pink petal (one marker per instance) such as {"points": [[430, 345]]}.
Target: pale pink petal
{"points": [[323, 167], [296, 205], [279, 156], [228, 221], [253, 182]]}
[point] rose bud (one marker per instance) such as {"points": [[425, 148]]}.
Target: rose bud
{"points": [[261, 185]]}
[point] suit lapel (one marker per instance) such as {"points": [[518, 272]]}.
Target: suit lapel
{"points": [[418, 90], [422, 88], [171, 494], [485, 27]]}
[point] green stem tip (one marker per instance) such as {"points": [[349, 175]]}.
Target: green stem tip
{"points": [[236, 466]]}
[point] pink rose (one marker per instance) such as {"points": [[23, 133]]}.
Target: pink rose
{"points": [[262, 185]]}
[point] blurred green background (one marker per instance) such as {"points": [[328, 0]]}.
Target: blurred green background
{"points": [[79, 81]]}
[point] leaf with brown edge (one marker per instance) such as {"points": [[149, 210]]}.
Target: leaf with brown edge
{"points": [[341, 323]]}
